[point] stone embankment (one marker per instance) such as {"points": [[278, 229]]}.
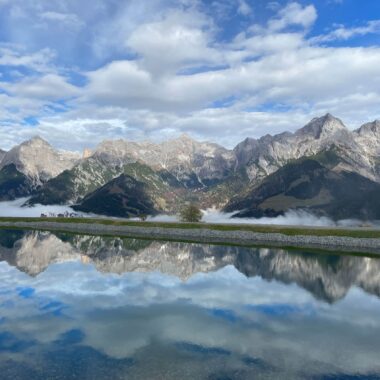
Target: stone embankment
{"points": [[339, 243]]}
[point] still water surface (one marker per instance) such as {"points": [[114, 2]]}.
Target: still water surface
{"points": [[84, 307]]}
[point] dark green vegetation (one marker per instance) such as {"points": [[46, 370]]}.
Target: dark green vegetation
{"points": [[74, 184], [82, 183], [315, 231], [58, 190], [123, 196], [191, 214], [310, 184], [13, 184]]}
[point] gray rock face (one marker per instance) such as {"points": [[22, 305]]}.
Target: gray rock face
{"points": [[360, 149], [368, 138], [38, 160], [2, 154], [191, 162], [198, 164], [182, 162]]}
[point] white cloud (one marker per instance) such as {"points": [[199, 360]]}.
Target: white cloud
{"points": [[13, 55], [273, 5], [343, 33], [259, 45], [49, 86], [298, 75], [172, 73], [111, 33], [67, 19], [294, 14], [181, 36], [244, 8]]}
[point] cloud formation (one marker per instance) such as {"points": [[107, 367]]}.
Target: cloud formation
{"points": [[141, 70]]}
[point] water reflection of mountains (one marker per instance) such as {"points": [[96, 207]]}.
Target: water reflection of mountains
{"points": [[327, 277]]}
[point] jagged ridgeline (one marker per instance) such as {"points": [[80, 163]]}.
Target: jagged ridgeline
{"points": [[323, 167]]}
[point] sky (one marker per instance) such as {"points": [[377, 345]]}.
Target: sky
{"points": [[78, 72]]}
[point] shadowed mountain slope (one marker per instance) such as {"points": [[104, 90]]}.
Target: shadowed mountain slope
{"points": [[309, 183]]}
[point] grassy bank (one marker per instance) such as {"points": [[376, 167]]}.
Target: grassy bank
{"points": [[290, 231]]}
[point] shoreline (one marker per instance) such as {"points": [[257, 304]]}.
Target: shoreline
{"points": [[208, 234]]}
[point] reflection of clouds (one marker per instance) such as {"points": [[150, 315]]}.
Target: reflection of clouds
{"points": [[136, 314], [328, 278], [124, 315], [207, 290]]}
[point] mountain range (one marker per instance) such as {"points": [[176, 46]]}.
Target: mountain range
{"points": [[323, 167]]}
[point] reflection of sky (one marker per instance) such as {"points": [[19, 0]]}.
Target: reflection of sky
{"points": [[217, 315]]}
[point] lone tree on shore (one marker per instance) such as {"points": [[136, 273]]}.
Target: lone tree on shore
{"points": [[191, 214], [143, 217]]}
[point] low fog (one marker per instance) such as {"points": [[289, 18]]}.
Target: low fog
{"points": [[291, 218], [15, 209]]}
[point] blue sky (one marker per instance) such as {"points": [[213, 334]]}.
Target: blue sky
{"points": [[222, 70]]}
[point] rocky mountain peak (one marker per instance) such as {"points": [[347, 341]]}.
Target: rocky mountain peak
{"points": [[322, 127], [266, 155], [243, 150], [185, 137], [182, 141], [116, 148], [368, 138], [87, 153], [372, 128], [184, 157], [37, 140], [248, 141], [37, 159]]}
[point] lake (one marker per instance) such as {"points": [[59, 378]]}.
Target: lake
{"points": [[90, 307]]}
